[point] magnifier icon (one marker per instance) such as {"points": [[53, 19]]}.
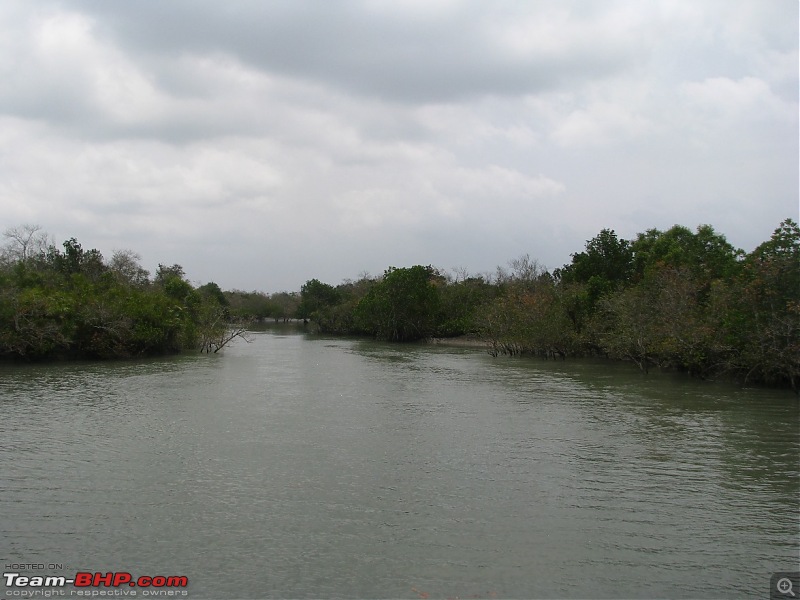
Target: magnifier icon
{"points": [[784, 586]]}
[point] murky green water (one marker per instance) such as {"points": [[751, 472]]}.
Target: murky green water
{"points": [[299, 467]]}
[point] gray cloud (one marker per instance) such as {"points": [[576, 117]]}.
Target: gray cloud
{"points": [[418, 55], [264, 143]]}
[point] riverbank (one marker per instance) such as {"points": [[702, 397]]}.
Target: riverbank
{"points": [[461, 341], [474, 342]]}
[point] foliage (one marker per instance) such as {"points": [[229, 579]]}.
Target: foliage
{"points": [[674, 299], [528, 322], [214, 293], [677, 299], [402, 307], [125, 265], [70, 303], [254, 306], [605, 263], [316, 296], [460, 304], [285, 304], [765, 309], [706, 254]]}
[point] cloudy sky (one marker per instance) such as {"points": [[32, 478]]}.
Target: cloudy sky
{"points": [[263, 143]]}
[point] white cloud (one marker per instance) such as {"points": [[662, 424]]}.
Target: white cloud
{"points": [[599, 124], [264, 146], [728, 98], [65, 48]]}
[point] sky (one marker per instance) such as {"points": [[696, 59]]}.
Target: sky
{"points": [[260, 144]]}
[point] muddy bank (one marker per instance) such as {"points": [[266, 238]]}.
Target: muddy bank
{"points": [[462, 341]]}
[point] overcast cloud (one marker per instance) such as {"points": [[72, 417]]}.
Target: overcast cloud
{"points": [[260, 144]]}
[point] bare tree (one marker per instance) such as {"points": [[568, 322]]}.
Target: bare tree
{"points": [[125, 263], [216, 332], [24, 242], [459, 274], [526, 269]]}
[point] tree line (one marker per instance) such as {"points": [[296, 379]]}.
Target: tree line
{"points": [[70, 302], [677, 299]]}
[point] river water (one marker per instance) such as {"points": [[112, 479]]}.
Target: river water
{"points": [[306, 467]]}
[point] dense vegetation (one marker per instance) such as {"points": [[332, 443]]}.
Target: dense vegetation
{"points": [[71, 303], [669, 299], [678, 299]]}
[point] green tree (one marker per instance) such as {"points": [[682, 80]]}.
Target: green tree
{"points": [[706, 254], [34, 322], [340, 318], [285, 304], [605, 264], [624, 327], [74, 260], [402, 306], [250, 305], [767, 308], [164, 273], [460, 305], [529, 320], [316, 296], [71, 304], [606, 256], [213, 292]]}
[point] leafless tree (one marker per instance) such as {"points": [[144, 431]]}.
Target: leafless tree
{"points": [[216, 332], [460, 274], [526, 269], [24, 242], [125, 263]]}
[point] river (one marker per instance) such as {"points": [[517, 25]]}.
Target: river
{"points": [[308, 467]]}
